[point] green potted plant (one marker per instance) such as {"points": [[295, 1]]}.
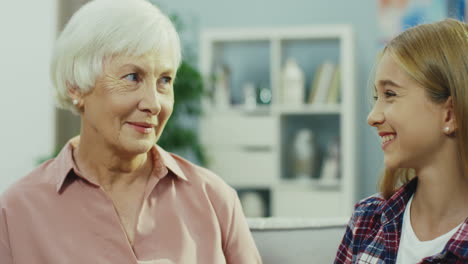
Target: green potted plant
{"points": [[177, 136], [180, 135]]}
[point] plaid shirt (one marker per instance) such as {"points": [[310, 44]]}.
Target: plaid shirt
{"points": [[373, 233]]}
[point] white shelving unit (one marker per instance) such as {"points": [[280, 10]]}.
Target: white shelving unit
{"points": [[249, 149]]}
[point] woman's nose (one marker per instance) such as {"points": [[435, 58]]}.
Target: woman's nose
{"points": [[150, 101], [375, 117]]}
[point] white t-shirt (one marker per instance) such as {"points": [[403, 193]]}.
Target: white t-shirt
{"points": [[411, 249]]}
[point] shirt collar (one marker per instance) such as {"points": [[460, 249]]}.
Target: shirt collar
{"points": [[458, 242], [169, 161], [64, 163], [396, 204]]}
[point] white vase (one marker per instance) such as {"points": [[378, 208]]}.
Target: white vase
{"points": [[292, 83]]}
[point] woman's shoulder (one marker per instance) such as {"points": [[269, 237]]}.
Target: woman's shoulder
{"points": [[38, 180]]}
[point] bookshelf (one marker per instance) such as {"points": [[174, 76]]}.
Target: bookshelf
{"points": [[252, 148]]}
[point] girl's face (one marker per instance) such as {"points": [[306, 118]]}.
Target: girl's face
{"points": [[409, 124]]}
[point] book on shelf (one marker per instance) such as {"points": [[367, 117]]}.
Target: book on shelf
{"points": [[321, 83], [333, 96], [314, 84]]}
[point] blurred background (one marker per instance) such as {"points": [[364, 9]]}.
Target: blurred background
{"points": [[273, 95]]}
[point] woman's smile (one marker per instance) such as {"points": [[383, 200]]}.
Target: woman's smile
{"points": [[142, 127], [387, 138]]}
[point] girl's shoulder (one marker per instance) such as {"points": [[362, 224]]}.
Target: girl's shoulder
{"points": [[371, 204], [368, 211]]}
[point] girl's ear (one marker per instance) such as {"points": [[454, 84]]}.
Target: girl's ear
{"points": [[450, 124]]}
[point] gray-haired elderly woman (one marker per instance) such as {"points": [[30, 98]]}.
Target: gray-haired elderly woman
{"points": [[112, 195]]}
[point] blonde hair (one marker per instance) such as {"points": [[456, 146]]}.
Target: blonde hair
{"points": [[436, 56], [101, 29]]}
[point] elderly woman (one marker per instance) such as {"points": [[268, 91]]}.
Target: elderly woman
{"points": [[112, 195]]}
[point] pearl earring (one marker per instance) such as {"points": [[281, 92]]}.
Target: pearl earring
{"points": [[75, 101], [447, 129]]}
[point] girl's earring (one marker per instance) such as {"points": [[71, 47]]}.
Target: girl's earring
{"points": [[447, 130], [75, 102]]}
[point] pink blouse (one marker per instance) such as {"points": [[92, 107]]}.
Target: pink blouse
{"points": [[189, 215]]}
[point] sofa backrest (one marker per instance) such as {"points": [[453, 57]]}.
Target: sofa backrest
{"points": [[297, 241]]}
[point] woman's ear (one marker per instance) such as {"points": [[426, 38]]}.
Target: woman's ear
{"points": [[76, 96], [450, 124]]}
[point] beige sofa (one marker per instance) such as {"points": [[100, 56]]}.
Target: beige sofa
{"points": [[297, 241]]}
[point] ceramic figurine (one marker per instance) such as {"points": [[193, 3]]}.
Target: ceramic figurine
{"points": [[250, 96], [305, 155]]}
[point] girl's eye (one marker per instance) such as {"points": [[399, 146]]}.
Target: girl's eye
{"points": [[133, 77], [389, 93]]}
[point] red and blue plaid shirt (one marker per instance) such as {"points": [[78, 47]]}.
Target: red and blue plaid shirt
{"points": [[373, 233]]}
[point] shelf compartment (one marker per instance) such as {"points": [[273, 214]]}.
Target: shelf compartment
{"points": [[326, 129], [248, 62], [238, 131], [243, 167], [254, 200]]}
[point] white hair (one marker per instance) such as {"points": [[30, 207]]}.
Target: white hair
{"points": [[100, 29]]}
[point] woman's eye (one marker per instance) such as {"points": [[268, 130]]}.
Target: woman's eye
{"points": [[166, 80], [133, 77], [165, 83], [389, 94]]}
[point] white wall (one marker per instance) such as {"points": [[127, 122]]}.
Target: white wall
{"points": [[27, 33]]}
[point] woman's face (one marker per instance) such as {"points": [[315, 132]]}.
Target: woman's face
{"points": [[409, 124], [131, 102]]}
